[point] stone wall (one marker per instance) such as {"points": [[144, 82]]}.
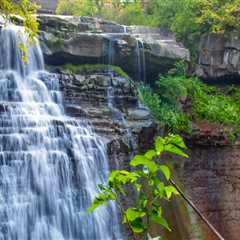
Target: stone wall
{"points": [[219, 57], [211, 179], [86, 40]]}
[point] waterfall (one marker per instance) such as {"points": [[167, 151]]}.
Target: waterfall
{"points": [[141, 60], [118, 114], [50, 164]]}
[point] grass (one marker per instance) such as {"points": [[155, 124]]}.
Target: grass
{"points": [[92, 68]]}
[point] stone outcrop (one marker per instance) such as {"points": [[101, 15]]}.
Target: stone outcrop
{"points": [[117, 117], [211, 179], [210, 176], [219, 57], [137, 50]]}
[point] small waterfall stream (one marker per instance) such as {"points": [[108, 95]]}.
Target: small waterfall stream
{"points": [[50, 164], [118, 114], [141, 60]]}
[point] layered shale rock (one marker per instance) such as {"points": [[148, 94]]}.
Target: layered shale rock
{"points": [[78, 40], [123, 124], [219, 57]]}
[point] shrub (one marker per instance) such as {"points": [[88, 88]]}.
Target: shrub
{"points": [[209, 103], [149, 179]]}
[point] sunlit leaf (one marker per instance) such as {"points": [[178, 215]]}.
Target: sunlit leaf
{"points": [[159, 145], [170, 190], [142, 160], [150, 154], [134, 213], [175, 150], [161, 220], [166, 171]]}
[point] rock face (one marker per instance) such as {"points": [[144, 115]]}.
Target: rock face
{"points": [[219, 57], [110, 104], [210, 177], [139, 51]]}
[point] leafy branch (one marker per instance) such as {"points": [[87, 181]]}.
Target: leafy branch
{"points": [[146, 180]]}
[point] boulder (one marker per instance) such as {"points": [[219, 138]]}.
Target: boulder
{"points": [[141, 51], [219, 57]]}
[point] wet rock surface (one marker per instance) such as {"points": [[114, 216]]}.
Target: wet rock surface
{"points": [[219, 57], [209, 177], [86, 97], [82, 40]]}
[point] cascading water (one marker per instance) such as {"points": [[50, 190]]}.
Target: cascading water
{"points": [[50, 164], [119, 116], [141, 61]]}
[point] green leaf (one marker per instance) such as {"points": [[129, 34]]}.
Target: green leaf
{"points": [[134, 213], [176, 140], [150, 154], [142, 200], [137, 225], [159, 188], [175, 150], [101, 199], [160, 220], [170, 190], [159, 145], [156, 209], [166, 171], [175, 144], [142, 160], [138, 160]]}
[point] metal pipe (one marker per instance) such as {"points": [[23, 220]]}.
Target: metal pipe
{"points": [[204, 219]]}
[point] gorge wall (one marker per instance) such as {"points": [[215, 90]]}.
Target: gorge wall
{"points": [[210, 177]]}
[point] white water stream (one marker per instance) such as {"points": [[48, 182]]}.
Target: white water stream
{"points": [[50, 164]]}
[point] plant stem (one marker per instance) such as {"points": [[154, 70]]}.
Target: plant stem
{"points": [[214, 230], [128, 223]]}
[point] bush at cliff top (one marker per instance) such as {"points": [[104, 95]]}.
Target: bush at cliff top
{"points": [[91, 68], [23, 8], [149, 180], [124, 12], [208, 103], [189, 19]]}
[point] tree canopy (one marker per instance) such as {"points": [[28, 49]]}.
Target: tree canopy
{"points": [[188, 19], [24, 9]]}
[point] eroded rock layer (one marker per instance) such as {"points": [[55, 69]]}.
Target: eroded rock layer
{"points": [[82, 40]]}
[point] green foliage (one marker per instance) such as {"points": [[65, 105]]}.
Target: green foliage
{"points": [[208, 103], [91, 68], [189, 19], [80, 7], [147, 180], [212, 104], [124, 12], [24, 9], [166, 113]]}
